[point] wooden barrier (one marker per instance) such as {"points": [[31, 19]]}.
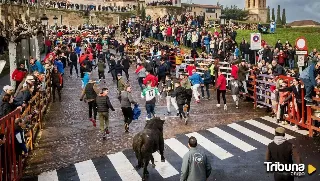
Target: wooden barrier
{"points": [[33, 114]]}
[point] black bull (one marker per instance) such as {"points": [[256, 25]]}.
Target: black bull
{"points": [[147, 142]]}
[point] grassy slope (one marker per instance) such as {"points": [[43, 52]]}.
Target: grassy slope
{"points": [[291, 34]]}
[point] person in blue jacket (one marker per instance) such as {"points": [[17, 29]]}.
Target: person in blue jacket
{"points": [[308, 77], [196, 81], [85, 79], [78, 50], [59, 65], [35, 65], [206, 82], [206, 42]]}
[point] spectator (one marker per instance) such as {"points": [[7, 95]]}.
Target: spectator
{"points": [[18, 75], [277, 69], [308, 77], [36, 65]]}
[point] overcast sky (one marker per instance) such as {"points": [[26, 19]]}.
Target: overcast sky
{"points": [[295, 9]]}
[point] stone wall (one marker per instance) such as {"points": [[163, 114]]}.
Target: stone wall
{"points": [[65, 17], [160, 11]]}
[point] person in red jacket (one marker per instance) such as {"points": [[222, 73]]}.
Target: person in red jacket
{"points": [[189, 69], [18, 75], [281, 58], [234, 71], [221, 89], [149, 77]]}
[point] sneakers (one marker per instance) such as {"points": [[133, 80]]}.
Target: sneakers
{"points": [[126, 127], [147, 119], [218, 105], [178, 113], [237, 107], [94, 123], [168, 113], [308, 99], [104, 136], [107, 131], [202, 97], [188, 114], [278, 121], [225, 107], [185, 120]]}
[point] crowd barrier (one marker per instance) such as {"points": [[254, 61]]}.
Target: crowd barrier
{"points": [[306, 118], [11, 165]]}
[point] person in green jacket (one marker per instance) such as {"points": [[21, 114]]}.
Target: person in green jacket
{"points": [[101, 66]]}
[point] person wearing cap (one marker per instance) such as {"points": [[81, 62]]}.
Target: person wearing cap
{"points": [[284, 152], [196, 81], [90, 93]]}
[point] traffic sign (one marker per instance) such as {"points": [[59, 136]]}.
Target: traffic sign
{"points": [[301, 43], [255, 43], [300, 60], [301, 52]]}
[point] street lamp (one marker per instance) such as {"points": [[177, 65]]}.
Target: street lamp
{"points": [[55, 20], [222, 24], [133, 18], [44, 21]]}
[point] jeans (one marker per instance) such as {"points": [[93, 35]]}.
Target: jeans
{"points": [[126, 71], [244, 84], [246, 56], [223, 92], [194, 45], [171, 100], [75, 67], [177, 71], [207, 90], [104, 120], [127, 114], [150, 110], [92, 107], [195, 91], [54, 88], [140, 81], [291, 64], [207, 49], [308, 87]]}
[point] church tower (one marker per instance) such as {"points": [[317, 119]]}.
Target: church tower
{"points": [[257, 10]]}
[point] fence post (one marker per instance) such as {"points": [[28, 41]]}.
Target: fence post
{"points": [[255, 91], [309, 115]]}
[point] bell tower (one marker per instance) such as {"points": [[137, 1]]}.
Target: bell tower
{"points": [[257, 10]]}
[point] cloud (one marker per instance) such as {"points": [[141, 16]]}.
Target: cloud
{"points": [[295, 9]]}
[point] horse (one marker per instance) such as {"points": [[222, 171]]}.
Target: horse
{"points": [[148, 141]]}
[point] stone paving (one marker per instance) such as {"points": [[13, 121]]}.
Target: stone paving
{"points": [[69, 137]]}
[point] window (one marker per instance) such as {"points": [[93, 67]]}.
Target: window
{"points": [[216, 15], [211, 10], [248, 3], [254, 3]]}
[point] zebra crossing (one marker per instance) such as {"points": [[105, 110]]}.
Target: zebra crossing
{"points": [[231, 148]]}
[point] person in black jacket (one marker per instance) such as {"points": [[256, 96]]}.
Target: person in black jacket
{"points": [[56, 80], [112, 64], [162, 69], [6, 105], [180, 94], [121, 49], [117, 68], [103, 106], [126, 66], [73, 60]]}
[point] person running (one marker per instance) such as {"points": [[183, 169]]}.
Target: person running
{"points": [[150, 93], [101, 66], [180, 96], [103, 105], [234, 87], [196, 81], [221, 89], [141, 72], [90, 92], [185, 83], [126, 101], [169, 89], [73, 62], [206, 82]]}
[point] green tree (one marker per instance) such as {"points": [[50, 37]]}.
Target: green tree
{"points": [[268, 15], [278, 16], [235, 13], [284, 18], [143, 13], [272, 15]]}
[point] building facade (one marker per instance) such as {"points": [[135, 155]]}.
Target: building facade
{"points": [[210, 12], [257, 10]]}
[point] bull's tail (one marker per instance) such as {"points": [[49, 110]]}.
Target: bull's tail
{"points": [[137, 146]]}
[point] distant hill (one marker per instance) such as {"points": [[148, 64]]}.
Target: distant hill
{"points": [[304, 23]]}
